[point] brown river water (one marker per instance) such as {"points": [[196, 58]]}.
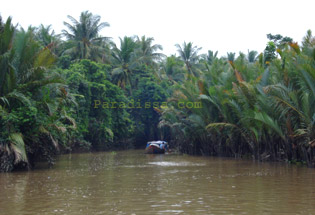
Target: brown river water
{"points": [[130, 182]]}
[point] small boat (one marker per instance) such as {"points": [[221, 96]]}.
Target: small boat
{"points": [[156, 147]]}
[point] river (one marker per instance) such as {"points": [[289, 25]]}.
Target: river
{"points": [[130, 182]]}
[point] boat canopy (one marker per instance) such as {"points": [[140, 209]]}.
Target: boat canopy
{"points": [[157, 142]]}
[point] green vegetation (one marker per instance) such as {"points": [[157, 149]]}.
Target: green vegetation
{"points": [[263, 107], [259, 105]]}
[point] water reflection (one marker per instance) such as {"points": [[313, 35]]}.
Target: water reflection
{"points": [[170, 163], [131, 182]]}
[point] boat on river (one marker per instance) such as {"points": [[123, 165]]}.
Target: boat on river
{"points": [[156, 147]]}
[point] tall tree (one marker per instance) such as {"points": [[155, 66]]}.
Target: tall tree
{"points": [[83, 36], [231, 56], [124, 61], [147, 52], [211, 56], [173, 69], [275, 42], [189, 54], [251, 56]]}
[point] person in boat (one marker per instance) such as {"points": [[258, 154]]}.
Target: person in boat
{"points": [[165, 146], [162, 145]]}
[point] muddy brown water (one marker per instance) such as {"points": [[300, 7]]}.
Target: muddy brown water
{"points": [[130, 182]]}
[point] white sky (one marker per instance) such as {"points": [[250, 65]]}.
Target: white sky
{"points": [[223, 25]]}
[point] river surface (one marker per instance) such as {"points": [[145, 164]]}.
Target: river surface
{"points": [[130, 182]]}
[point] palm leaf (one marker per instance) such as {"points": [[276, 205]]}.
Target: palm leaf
{"points": [[220, 125], [267, 120], [18, 147]]}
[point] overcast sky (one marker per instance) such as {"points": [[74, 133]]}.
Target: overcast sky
{"points": [[223, 25]]}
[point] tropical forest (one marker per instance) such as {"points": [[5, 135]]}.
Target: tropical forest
{"points": [[53, 92], [79, 92]]}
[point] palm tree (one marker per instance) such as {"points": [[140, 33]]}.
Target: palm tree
{"points": [[267, 113], [173, 69], [6, 56], [211, 56], [147, 52], [47, 38], [231, 56], [11, 140], [25, 76], [189, 54], [251, 56], [83, 36], [124, 61], [308, 43]]}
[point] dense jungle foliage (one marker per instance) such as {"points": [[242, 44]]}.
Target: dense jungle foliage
{"points": [[79, 91]]}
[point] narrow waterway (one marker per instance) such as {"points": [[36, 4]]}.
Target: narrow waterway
{"points": [[130, 182]]}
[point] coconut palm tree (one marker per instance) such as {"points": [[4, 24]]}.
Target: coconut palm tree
{"points": [[189, 54], [173, 69], [147, 51], [124, 61], [83, 36], [47, 38]]}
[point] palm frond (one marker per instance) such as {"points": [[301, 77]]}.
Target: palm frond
{"points": [[18, 147]]}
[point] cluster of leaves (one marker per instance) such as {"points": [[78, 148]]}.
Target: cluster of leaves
{"points": [[261, 108], [87, 80], [49, 87], [33, 118]]}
